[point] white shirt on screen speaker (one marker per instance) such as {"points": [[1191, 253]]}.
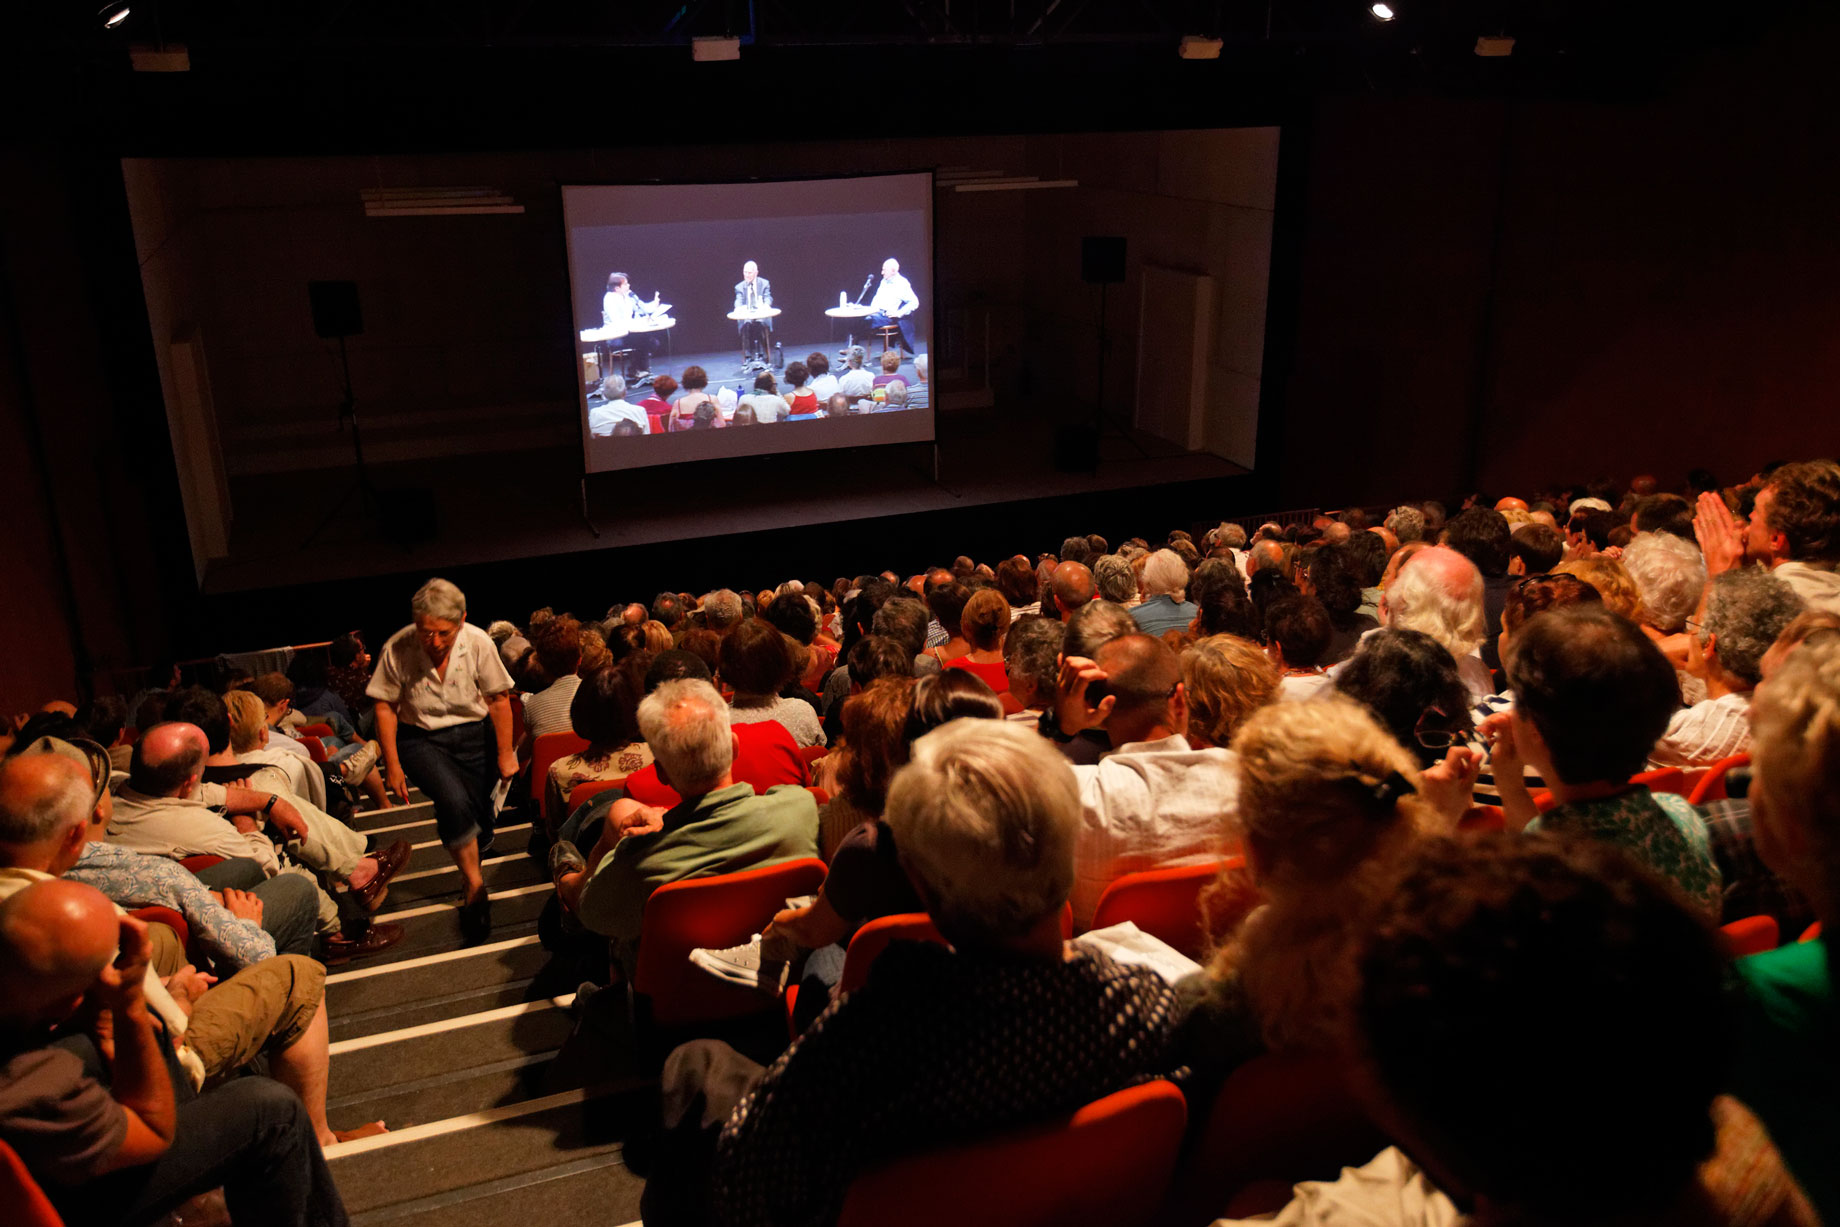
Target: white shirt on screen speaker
{"points": [[895, 297]]}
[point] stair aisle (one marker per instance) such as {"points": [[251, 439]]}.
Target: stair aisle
{"points": [[500, 1102]]}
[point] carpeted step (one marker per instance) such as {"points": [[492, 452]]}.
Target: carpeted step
{"points": [[429, 854], [446, 1094], [501, 869], [351, 990], [408, 1055], [397, 1014], [596, 1189]]}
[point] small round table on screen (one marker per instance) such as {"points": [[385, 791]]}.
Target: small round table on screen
{"points": [[851, 312], [756, 314], [655, 323]]}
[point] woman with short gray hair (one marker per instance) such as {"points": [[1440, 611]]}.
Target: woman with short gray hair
{"points": [[443, 704], [1007, 1025], [1745, 611], [1163, 607]]}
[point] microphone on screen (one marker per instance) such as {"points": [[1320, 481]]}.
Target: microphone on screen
{"points": [[866, 281]]}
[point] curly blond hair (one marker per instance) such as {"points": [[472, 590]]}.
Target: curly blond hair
{"points": [[1795, 764], [1226, 679], [1327, 805], [1611, 579]]}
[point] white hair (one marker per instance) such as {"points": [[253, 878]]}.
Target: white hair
{"points": [[1670, 573], [613, 387], [685, 722], [920, 365], [722, 609], [986, 814], [1406, 523], [439, 599], [1420, 600], [1588, 504], [52, 814], [1164, 571]]}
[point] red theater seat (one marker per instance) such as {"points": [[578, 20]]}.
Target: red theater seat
{"points": [[1752, 935], [1108, 1163], [1165, 903], [26, 1204]]}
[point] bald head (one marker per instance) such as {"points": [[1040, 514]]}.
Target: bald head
{"points": [[1142, 673], [55, 937], [1453, 573], [43, 798], [634, 615], [1072, 586], [1267, 556], [167, 759]]}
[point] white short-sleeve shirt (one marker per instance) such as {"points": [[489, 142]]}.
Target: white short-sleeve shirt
{"points": [[406, 677]]}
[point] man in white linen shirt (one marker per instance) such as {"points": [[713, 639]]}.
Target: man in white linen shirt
{"points": [[1744, 612], [895, 303], [613, 408], [1152, 802]]}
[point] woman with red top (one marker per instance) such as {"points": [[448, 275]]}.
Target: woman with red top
{"points": [[984, 623], [657, 406], [947, 601], [799, 397], [683, 412]]}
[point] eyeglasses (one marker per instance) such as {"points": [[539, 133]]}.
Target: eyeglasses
{"points": [[1433, 733]]}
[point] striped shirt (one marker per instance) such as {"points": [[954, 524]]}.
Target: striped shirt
{"points": [[1704, 733]]}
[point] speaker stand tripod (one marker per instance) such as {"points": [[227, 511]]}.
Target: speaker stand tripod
{"points": [[360, 484]]}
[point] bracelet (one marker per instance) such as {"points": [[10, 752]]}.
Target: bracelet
{"points": [[270, 807]]}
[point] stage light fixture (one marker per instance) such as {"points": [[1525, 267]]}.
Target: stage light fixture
{"points": [[1383, 11], [113, 14]]}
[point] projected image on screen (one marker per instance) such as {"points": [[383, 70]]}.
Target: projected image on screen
{"points": [[750, 318]]}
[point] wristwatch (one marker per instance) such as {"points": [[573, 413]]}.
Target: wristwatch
{"points": [[270, 807]]}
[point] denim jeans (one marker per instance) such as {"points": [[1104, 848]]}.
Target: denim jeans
{"points": [[457, 767], [252, 1137]]}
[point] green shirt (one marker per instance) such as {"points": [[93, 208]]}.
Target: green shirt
{"points": [[1789, 1063], [724, 831], [1660, 830]]}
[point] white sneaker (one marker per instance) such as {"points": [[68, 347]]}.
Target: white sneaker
{"points": [[744, 966]]}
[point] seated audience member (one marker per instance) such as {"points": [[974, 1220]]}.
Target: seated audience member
{"points": [[1483, 536], [1297, 634], [767, 403], [917, 394], [1794, 530], [1031, 662], [1154, 800], [1226, 679], [1789, 1067], [721, 611], [1227, 610], [695, 395], [313, 695], [855, 383], [1091, 628], [801, 397], [873, 727], [838, 406], [1490, 947], [608, 409], [720, 826], [1612, 581], [1440, 592], [668, 608], [657, 638], [1406, 523], [350, 759], [103, 719], [947, 602], [1165, 580], [1745, 612], [1411, 685], [605, 710], [657, 405], [1590, 530], [891, 366], [245, 927], [1326, 804], [275, 1007], [757, 662], [796, 617], [558, 654], [95, 1117], [1534, 549], [1070, 586], [1592, 695], [1006, 1026], [1670, 576], [869, 658], [1663, 513], [1334, 578], [823, 383], [1113, 580], [161, 678], [1016, 581], [904, 620], [985, 621]]}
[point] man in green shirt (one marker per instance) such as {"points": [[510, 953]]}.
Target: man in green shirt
{"points": [[1789, 1063], [719, 826]]}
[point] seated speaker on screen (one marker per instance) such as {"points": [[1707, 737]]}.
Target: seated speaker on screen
{"points": [[895, 303], [753, 293], [619, 308]]}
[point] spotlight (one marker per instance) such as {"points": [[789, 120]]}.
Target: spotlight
{"points": [[1383, 11], [113, 14]]}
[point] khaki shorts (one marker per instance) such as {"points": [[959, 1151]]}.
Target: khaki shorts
{"points": [[267, 1007], [168, 954]]}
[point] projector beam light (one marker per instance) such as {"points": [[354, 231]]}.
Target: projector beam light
{"points": [[1383, 11], [113, 14]]}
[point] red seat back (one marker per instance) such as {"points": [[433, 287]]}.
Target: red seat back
{"points": [[1811, 934], [1106, 1163], [315, 730], [1279, 1117], [711, 913], [873, 938], [549, 748], [203, 861], [315, 750], [1165, 903], [1752, 935], [585, 792], [811, 754], [1711, 786], [1483, 818], [1666, 779], [26, 1203]]}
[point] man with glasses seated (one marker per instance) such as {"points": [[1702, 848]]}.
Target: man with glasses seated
{"points": [[1152, 801]]}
